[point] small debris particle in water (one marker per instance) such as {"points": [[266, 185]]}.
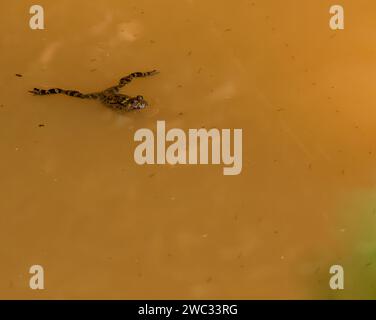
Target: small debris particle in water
{"points": [[92, 70], [180, 113], [18, 75], [41, 125], [227, 30], [210, 279], [276, 232], [205, 235], [151, 175], [180, 86], [280, 109], [189, 53], [152, 41]]}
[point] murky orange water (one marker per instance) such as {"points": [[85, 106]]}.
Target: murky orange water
{"points": [[74, 201]]}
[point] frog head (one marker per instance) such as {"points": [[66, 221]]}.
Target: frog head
{"points": [[136, 103]]}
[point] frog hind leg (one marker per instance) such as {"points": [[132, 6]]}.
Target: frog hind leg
{"points": [[127, 79], [71, 93]]}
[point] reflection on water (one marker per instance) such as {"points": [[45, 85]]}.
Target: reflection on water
{"points": [[74, 201]]}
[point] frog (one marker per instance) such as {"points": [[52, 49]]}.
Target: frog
{"points": [[110, 97]]}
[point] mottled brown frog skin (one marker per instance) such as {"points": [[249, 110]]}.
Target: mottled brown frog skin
{"points": [[109, 97]]}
